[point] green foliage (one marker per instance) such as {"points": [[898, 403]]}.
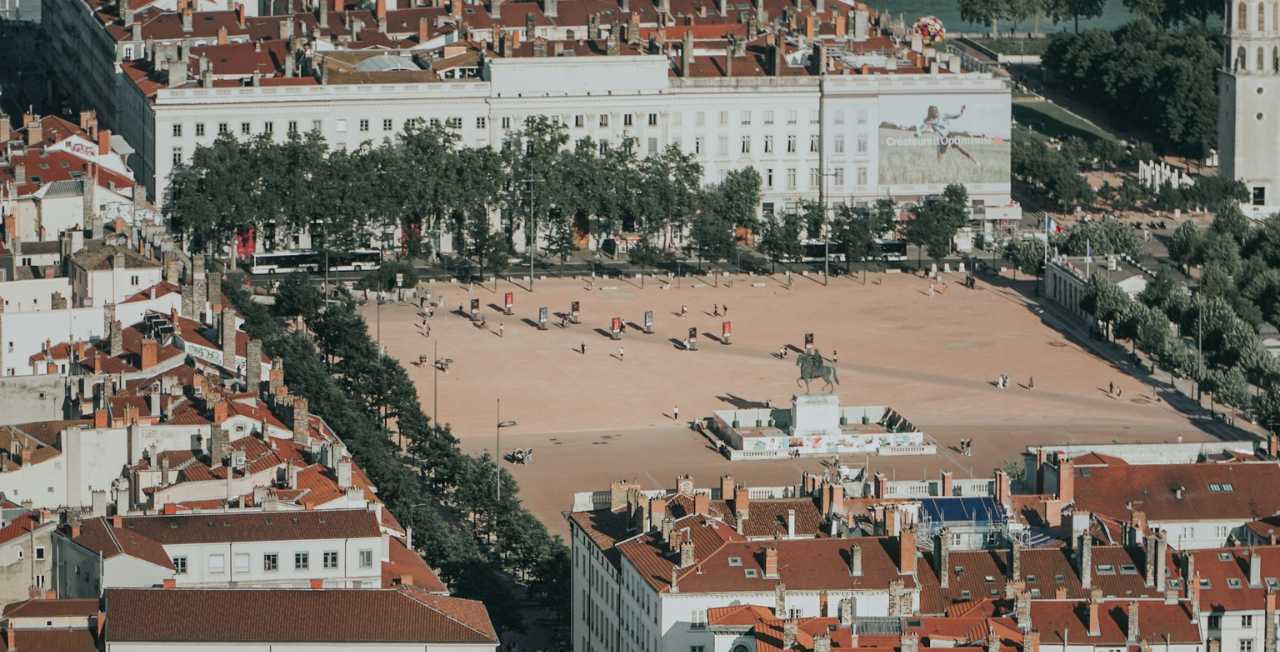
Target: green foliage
{"points": [[1146, 78], [855, 229], [780, 240], [1051, 175], [483, 547], [384, 278], [1185, 243], [1101, 237], [1027, 254], [938, 219]]}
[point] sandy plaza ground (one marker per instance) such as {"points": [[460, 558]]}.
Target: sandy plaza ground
{"points": [[606, 414]]}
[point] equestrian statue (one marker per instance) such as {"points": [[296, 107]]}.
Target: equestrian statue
{"points": [[812, 366]]}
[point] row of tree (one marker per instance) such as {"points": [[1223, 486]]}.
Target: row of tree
{"points": [[1166, 13], [423, 184], [485, 548], [1148, 78]]}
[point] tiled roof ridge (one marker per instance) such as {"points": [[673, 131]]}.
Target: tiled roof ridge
{"points": [[411, 594]]}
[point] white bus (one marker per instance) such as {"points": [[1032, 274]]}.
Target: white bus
{"points": [[283, 262]]}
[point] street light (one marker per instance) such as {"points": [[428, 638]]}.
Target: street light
{"points": [[533, 228], [499, 424]]}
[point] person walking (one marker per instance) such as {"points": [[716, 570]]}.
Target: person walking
{"points": [[501, 326], [715, 310], [684, 311], [835, 356], [1111, 387], [675, 413], [1031, 382], [621, 353], [724, 310], [584, 348]]}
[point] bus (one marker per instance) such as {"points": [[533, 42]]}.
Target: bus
{"points": [[283, 262]]}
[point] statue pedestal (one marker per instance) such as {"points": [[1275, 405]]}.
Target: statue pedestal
{"points": [[815, 414]]}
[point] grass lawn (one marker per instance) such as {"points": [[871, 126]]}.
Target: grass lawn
{"points": [[1053, 120]]}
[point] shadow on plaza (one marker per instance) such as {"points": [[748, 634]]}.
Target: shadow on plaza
{"points": [[1118, 357]]}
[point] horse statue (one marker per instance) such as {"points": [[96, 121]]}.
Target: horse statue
{"points": [[813, 365]]}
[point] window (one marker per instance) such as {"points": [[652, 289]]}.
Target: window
{"points": [[293, 127], [364, 124], [317, 125], [387, 124], [39, 581], [653, 145], [604, 119], [627, 120], [301, 561], [222, 128], [722, 145], [1215, 621], [813, 177], [39, 552], [746, 144], [697, 648], [839, 119], [768, 144], [1258, 197], [862, 116], [241, 563], [768, 178], [791, 116], [330, 559], [697, 145], [791, 178], [128, 52], [177, 156], [676, 119], [217, 564], [245, 128], [862, 143], [1246, 645], [653, 119], [839, 144], [724, 118], [366, 559], [177, 131], [813, 117], [735, 561], [579, 121], [746, 117], [813, 144], [481, 122], [271, 562], [1246, 621], [1106, 569], [133, 280], [456, 122], [791, 144], [839, 177], [180, 565], [862, 176], [199, 130], [268, 127]]}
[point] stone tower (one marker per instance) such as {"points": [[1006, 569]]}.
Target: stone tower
{"points": [[1249, 99]]}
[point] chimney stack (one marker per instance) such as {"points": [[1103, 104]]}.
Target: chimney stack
{"points": [[741, 503], [1255, 569], [771, 563], [301, 422], [855, 560], [791, 523], [701, 504], [1269, 622], [150, 354], [687, 556], [1084, 562], [186, 20], [1095, 623], [686, 54], [942, 558], [907, 551], [228, 335], [1132, 634], [35, 130], [1015, 560], [253, 366], [344, 473]]}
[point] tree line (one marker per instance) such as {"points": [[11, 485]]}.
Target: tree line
{"points": [[422, 185], [1165, 13], [485, 548]]}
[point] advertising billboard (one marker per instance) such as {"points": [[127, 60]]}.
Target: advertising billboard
{"points": [[941, 139]]}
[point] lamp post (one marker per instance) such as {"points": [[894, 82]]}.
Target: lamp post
{"points": [[499, 424], [435, 381], [826, 235], [533, 227]]}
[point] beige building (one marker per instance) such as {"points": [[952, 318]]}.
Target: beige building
{"points": [[26, 555], [1248, 84]]}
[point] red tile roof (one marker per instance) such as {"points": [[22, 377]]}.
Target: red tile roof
{"points": [[97, 534], [56, 640], [1152, 489], [407, 563], [1224, 575], [255, 526], [253, 615], [1156, 620], [41, 608]]}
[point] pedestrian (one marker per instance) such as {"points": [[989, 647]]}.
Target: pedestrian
{"points": [[584, 348], [621, 353], [835, 356], [684, 310], [724, 310], [428, 330], [1119, 392], [675, 413], [500, 328], [1111, 387], [1031, 382], [562, 320], [715, 310]]}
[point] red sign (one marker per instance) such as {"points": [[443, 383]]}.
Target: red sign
{"points": [[509, 300], [616, 324], [246, 243], [726, 329]]}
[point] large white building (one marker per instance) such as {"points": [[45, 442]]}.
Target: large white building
{"points": [[1248, 129], [824, 104]]}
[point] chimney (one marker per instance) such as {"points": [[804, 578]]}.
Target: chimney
{"points": [[154, 397], [1084, 560], [1188, 570], [1095, 623], [35, 131], [380, 10], [1133, 635], [150, 352], [791, 523], [701, 504], [822, 643], [907, 552], [344, 473], [424, 29], [253, 366], [1162, 547], [1004, 488], [324, 14], [942, 558], [855, 560], [675, 578], [104, 142], [1255, 569], [1193, 592], [186, 20], [687, 557], [1015, 560], [301, 422], [221, 409], [618, 494], [789, 630], [1031, 642], [1066, 482], [1269, 622], [993, 640], [1022, 610], [219, 444], [861, 25], [1149, 554], [549, 9], [780, 601], [946, 475], [776, 59], [727, 487], [657, 510], [228, 335], [686, 54], [667, 525], [771, 563], [848, 609], [5, 135], [117, 338], [909, 643], [684, 485]]}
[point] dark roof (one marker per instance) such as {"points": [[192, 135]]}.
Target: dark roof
{"points": [[254, 615], [99, 535], [51, 608], [971, 509], [256, 526], [1209, 491]]}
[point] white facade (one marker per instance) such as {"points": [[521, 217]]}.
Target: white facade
{"points": [[779, 125], [91, 459], [102, 286], [297, 647], [1248, 84], [33, 295], [339, 563]]}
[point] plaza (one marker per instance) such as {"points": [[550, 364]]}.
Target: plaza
{"points": [[595, 416]]}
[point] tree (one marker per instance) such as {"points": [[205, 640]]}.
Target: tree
{"points": [[1027, 254], [1105, 301], [1060, 10], [781, 238], [297, 297], [937, 220], [1159, 292], [1184, 244], [854, 231]]}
